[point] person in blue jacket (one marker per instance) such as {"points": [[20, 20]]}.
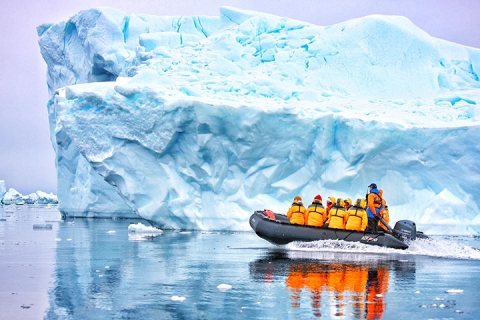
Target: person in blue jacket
{"points": [[374, 206]]}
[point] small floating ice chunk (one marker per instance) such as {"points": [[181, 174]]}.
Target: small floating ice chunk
{"points": [[107, 267], [458, 311], [417, 292], [437, 298], [454, 291], [141, 228], [224, 287], [58, 239], [111, 232], [47, 226], [441, 306], [177, 298]]}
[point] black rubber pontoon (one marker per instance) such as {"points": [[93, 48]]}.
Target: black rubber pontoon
{"points": [[280, 231]]}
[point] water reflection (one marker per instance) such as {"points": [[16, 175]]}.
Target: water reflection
{"points": [[348, 285], [103, 272]]}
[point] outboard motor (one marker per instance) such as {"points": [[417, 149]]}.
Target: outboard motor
{"points": [[405, 229]]}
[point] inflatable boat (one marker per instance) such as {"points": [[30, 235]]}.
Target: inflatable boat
{"points": [[277, 229]]}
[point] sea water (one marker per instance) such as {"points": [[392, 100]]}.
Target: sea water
{"points": [[52, 268]]}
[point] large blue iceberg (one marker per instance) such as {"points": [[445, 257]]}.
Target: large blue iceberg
{"points": [[195, 122]]}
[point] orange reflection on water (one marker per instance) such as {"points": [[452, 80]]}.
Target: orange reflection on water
{"points": [[351, 290]]}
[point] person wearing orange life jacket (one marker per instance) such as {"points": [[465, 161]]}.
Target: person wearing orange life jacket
{"points": [[374, 205], [330, 202], [296, 213], [316, 214], [384, 214], [336, 217], [347, 204], [356, 217]]}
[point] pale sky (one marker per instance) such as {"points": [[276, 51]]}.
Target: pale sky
{"points": [[27, 159]]}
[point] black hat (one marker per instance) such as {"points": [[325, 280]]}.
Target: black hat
{"points": [[373, 185]]}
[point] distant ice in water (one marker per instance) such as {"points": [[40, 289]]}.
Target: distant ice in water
{"points": [[141, 228], [454, 291], [177, 298], [140, 232], [38, 226], [224, 287]]}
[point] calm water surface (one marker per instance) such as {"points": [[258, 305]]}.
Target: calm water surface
{"points": [[96, 269]]}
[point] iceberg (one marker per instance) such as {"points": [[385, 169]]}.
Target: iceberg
{"points": [[195, 122], [16, 198], [3, 189], [13, 197]]}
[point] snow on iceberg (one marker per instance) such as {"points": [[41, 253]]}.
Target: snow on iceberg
{"points": [[194, 122]]}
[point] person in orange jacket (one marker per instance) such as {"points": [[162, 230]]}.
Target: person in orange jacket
{"points": [[347, 203], [330, 202], [356, 217], [336, 217], [374, 205], [316, 214], [296, 213]]}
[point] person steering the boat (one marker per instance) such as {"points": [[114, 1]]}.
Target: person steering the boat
{"points": [[374, 206], [316, 214], [296, 213]]}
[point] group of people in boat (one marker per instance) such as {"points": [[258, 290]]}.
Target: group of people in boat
{"points": [[361, 215]]}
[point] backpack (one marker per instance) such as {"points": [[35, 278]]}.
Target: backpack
{"points": [[269, 213]]}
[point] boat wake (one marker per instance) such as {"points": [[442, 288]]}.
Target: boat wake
{"points": [[443, 248], [434, 247]]}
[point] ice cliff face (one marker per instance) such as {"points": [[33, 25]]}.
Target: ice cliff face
{"points": [[194, 122]]}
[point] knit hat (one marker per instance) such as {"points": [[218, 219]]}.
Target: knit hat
{"points": [[318, 197], [298, 200]]}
